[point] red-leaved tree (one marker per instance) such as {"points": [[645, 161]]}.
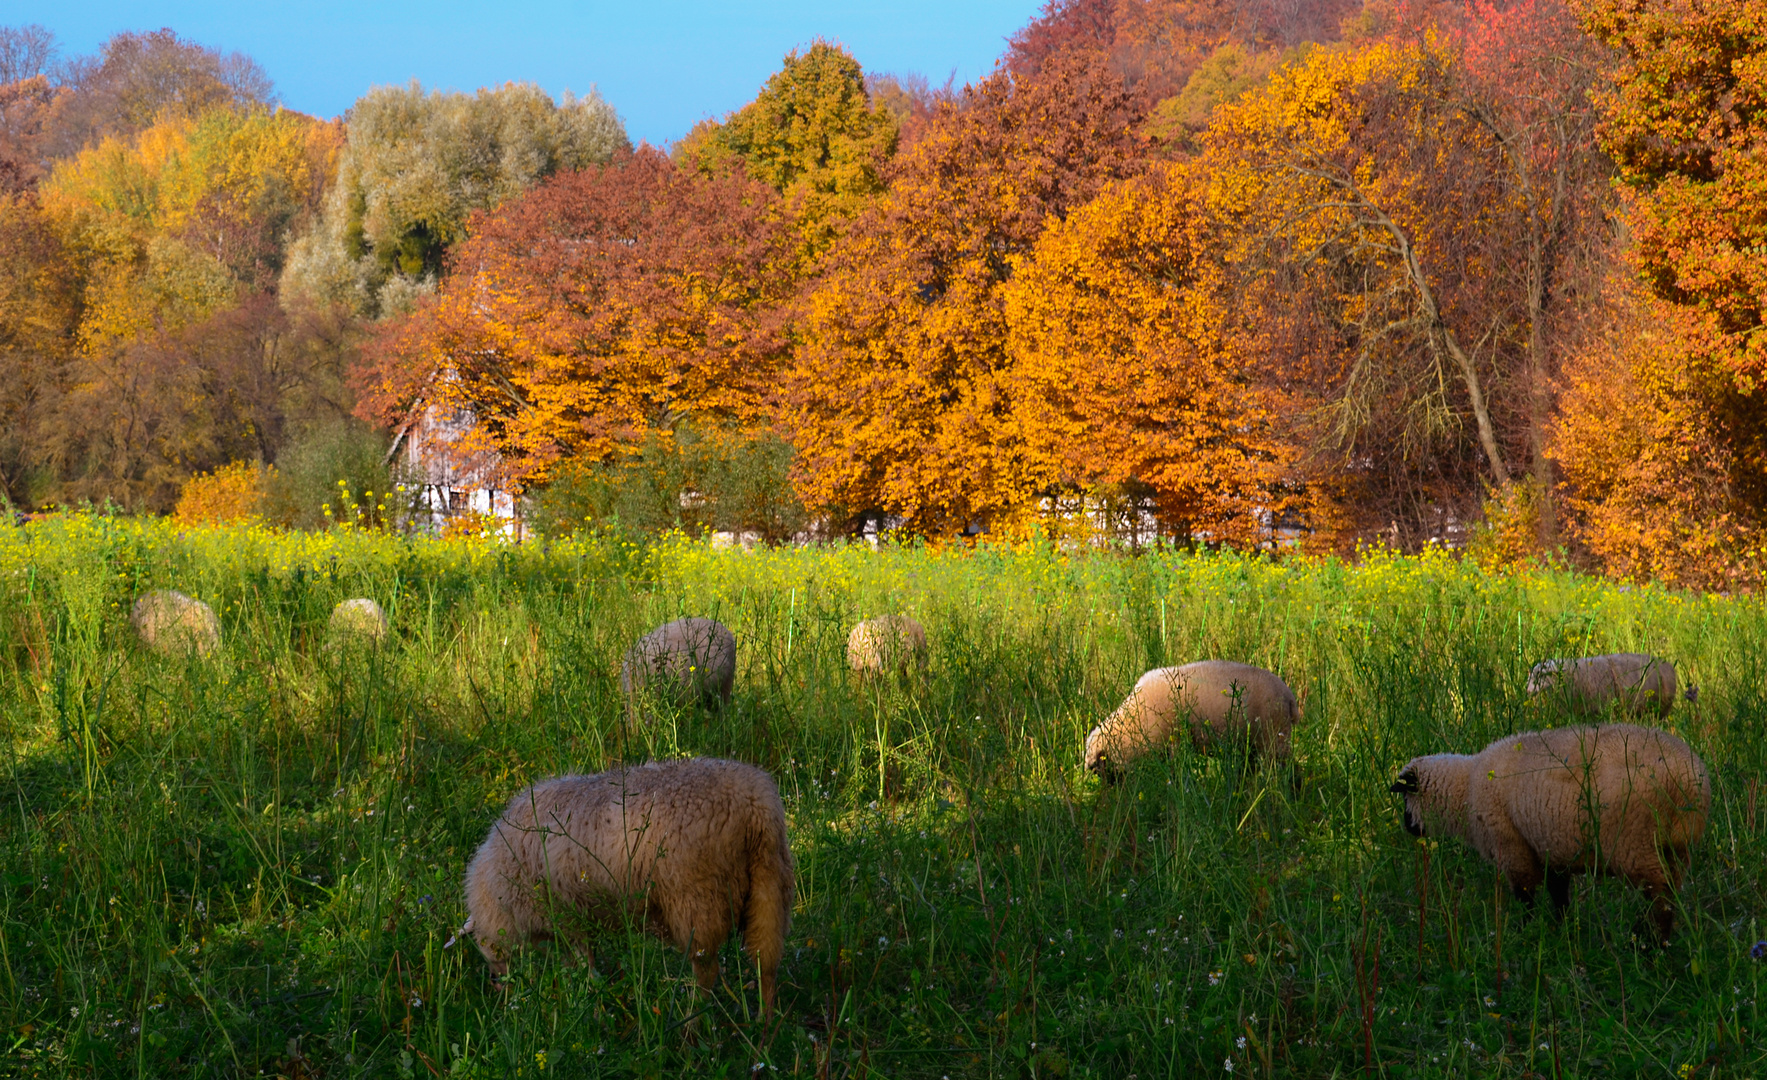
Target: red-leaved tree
{"points": [[602, 306]]}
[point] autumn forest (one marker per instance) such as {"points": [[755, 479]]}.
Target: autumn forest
{"points": [[1236, 272]]}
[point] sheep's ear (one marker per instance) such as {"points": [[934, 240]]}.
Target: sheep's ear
{"points": [[1406, 784]]}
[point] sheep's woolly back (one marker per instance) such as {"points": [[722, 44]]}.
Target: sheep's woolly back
{"points": [[169, 622], [1620, 798], [1217, 700], [359, 617], [689, 850], [1641, 683], [886, 643], [683, 662]]}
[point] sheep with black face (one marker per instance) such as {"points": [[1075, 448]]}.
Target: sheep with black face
{"points": [[1616, 799]]}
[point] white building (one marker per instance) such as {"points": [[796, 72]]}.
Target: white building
{"points": [[452, 480]]}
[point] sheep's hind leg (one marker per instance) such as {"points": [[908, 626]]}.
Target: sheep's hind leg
{"points": [[705, 973], [578, 951], [1662, 916], [1558, 885], [1524, 879], [705, 969], [1657, 928]]}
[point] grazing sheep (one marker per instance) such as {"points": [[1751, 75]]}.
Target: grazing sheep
{"points": [[684, 662], [170, 623], [359, 617], [886, 643], [691, 848], [1615, 798], [1220, 700], [1641, 683]]}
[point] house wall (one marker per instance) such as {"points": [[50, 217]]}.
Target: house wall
{"points": [[452, 482]]}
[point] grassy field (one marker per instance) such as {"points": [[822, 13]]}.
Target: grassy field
{"points": [[251, 864]]}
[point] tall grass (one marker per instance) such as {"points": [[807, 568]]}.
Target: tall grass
{"points": [[252, 863]]}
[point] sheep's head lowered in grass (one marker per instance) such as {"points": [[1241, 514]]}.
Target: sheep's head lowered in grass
{"points": [[1408, 786], [1541, 677], [684, 662], [174, 624], [1434, 788], [1636, 683], [887, 643], [1209, 703]]}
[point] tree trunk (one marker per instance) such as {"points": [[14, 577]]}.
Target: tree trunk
{"points": [[1539, 390], [1468, 372], [1440, 335]]}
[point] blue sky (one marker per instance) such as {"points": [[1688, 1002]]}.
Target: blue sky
{"points": [[664, 64]]}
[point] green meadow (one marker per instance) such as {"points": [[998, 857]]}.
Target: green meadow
{"points": [[250, 864]]}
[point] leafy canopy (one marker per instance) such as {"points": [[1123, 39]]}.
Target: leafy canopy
{"points": [[812, 133], [605, 305], [1129, 360], [896, 399], [415, 167]]}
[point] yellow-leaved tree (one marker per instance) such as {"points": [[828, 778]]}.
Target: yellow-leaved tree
{"points": [[183, 359], [178, 221], [813, 134]]}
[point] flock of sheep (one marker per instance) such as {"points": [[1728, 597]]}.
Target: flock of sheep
{"points": [[694, 849]]}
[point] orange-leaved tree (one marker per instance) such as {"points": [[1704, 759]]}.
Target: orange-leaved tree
{"points": [[1130, 362], [599, 307], [1686, 497], [1685, 122], [1645, 436], [897, 400]]}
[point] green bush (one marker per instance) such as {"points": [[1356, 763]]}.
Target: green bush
{"points": [[746, 480], [329, 458], [691, 480]]}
